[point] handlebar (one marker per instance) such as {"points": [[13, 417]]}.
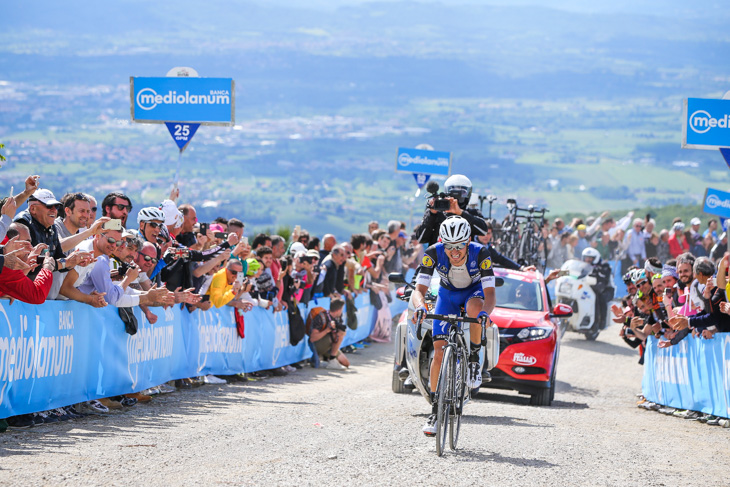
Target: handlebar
{"points": [[452, 319]]}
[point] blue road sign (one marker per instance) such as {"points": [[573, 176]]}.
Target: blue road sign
{"points": [[423, 161], [182, 133], [706, 123], [421, 179], [208, 101], [717, 203]]}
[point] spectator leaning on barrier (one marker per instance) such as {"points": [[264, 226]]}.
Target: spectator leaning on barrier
{"points": [[332, 272], [14, 282], [225, 285], [40, 218]]}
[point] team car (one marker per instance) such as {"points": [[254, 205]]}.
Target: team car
{"points": [[529, 341]]}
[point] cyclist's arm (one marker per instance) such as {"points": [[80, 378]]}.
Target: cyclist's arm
{"points": [[503, 261], [423, 279]]}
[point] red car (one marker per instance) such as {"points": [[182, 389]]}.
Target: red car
{"points": [[529, 336]]}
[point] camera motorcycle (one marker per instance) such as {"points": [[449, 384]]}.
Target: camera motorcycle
{"points": [[575, 288]]}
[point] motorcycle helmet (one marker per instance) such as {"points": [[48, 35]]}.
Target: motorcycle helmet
{"points": [[592, 254], [458, 186], [455, 229], [149, 214]]}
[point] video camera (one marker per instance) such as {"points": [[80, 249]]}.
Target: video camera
{"points": [[440, 203]]}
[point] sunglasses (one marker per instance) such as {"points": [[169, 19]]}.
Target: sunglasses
{"points": [[93, 208], [235, 273], [456, 246], [154, 224], [112, 240], [147, 258], [122, 207]]}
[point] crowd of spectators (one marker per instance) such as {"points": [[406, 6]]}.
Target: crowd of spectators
{"points": [[631, 241], [676, 280], [59, 250]]}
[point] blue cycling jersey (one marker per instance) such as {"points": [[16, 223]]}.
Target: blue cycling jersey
{"points": [[478, 266]]}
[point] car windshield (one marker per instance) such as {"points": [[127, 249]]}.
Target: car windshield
{"points": [[519, 293]]}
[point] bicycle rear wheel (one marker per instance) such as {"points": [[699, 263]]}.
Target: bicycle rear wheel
{"points": [[460, 373], [444, 391]]}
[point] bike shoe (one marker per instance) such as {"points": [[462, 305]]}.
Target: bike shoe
{"points": [[429, 429]]}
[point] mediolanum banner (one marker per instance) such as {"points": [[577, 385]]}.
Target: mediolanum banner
{"points": [[717, 203], [208, 101], [705, 123]]}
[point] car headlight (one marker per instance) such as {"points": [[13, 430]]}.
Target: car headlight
{"points": [[534, 333]]}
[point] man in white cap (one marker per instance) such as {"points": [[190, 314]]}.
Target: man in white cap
{"points": [[39, 218], [694, 229]]}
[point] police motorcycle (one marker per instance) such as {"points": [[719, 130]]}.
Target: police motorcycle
{"points": [[574, 287], [413, 355]]}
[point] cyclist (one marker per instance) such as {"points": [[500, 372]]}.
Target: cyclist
{"points": [[467, 280], [458, 187]]}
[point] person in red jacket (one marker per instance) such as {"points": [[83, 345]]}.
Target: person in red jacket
{"points": [[677, 242], [17, 284]]}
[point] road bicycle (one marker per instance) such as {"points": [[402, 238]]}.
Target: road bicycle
{"points": [[451, 389]]}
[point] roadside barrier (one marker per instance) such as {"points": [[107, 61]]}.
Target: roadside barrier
{"points": [[64, 352], [694, 374]]}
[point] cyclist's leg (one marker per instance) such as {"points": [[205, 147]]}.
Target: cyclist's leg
{"points": [[474, 304]]}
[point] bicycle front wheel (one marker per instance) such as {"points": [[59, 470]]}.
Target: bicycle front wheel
{"points": [[444, 391], [460, 374]]}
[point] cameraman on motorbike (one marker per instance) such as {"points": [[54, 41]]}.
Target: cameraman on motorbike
{"points": [[466, 279], [458, 191], [604, 283]]}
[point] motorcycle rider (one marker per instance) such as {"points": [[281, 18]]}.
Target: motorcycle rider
{"points": [[603, 287], [459, 188], [467, 280]]}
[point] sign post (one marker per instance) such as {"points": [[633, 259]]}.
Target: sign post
{"points": [[183, 102]]}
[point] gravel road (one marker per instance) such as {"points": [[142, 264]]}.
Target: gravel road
{"points": [[331, 427]]}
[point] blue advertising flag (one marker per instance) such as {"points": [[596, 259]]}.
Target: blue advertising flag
{"points": [[717, 203], [705, 123], [423, 161], [182, 133], [421, 179], [725, 155], [209, 101]]}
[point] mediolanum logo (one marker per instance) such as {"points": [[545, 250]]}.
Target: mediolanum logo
{"points": [[701, 122], [147, 98], [714, 201]]}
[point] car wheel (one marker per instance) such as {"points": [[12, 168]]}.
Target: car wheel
{"points": [[398, 385], [541, 398]]}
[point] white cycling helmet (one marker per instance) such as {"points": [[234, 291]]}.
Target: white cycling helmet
{"points": [[459, 187], [455, 229], [591, 253], [149, 214]]}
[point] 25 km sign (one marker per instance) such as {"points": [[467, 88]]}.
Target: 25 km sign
{"points": [[706, 123]]}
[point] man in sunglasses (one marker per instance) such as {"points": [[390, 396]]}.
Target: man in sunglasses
{"points": [[226, 284], [40, 218], [116, 205], [467, 279]]}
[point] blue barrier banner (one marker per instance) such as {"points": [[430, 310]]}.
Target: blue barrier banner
{"points": [[717, 202], [208, 101], [705, 123], [694, 374], [64, 352], [423, 161]]}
